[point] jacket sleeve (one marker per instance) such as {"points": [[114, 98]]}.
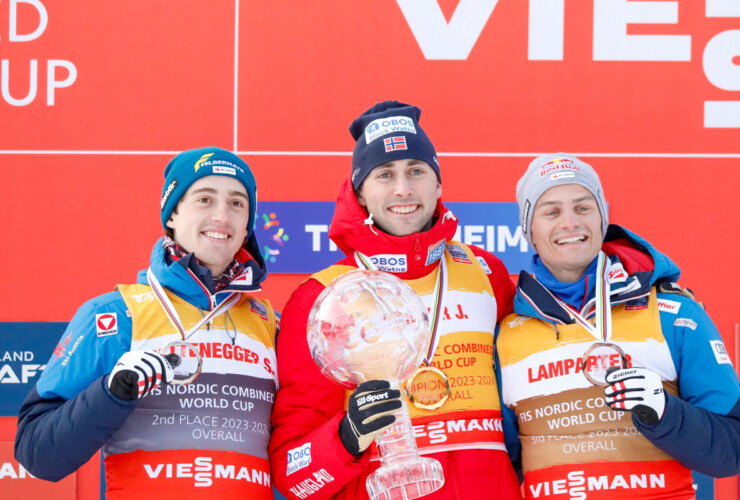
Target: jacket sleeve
{"points": [[701, 429], [307, 411], [503, 287], [510, 421], [71, 413]]}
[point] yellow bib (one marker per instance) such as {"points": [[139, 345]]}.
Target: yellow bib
{"points": [[471, 418], [211, 435], [564, 423]]}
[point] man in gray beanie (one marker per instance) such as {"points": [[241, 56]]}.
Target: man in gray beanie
{"points": [[610, 372], [555, 170], [108, 383]]}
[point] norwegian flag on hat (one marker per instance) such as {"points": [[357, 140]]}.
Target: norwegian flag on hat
{"points": [[394, 143]]}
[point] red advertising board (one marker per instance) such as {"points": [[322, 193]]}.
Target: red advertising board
{"points": [[96, 97]]}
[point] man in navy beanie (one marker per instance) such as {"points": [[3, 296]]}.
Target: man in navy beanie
{"points": [[110, 383], [389, 217]]}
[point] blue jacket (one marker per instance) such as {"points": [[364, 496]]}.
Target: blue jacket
{"points": [[701, 429], [71, 413]]}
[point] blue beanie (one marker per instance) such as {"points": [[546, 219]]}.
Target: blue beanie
{"points": [[189, 166], [389, 131]]}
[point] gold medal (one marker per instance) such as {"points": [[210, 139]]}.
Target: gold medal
{"points": [[428, 388], [598, 358]]}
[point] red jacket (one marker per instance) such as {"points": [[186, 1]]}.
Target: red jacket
{"points": [[309, 407]]}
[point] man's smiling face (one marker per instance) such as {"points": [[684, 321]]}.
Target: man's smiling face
{"points": [[401, 195], [211, 220]]}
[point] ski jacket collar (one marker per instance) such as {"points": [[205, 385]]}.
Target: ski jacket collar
{"points": [[643, 266], [352, 229], [178, 278]]}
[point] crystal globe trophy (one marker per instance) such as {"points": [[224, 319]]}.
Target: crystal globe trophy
{"points": [[370, 325]]}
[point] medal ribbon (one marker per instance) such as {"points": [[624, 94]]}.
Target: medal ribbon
{"points": [[171, 312], [440, 287], [602, 328]]}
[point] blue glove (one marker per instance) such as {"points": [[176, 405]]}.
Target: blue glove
{"points": [[138, 373], [638, 390]]}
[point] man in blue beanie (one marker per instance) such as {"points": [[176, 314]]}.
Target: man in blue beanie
{"points": [[389, 217], [115, 381]]}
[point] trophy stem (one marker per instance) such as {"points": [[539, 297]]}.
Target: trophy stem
{"points": [[403, 474]]}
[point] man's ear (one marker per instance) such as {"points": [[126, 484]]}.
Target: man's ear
{"points": [[170, 224], [439, 190], [361, 199]]}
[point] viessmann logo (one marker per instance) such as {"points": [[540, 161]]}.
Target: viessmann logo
{"points": [[204, 471], [440, 39], [578, 483]]}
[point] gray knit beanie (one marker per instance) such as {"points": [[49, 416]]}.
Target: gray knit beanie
{"points": [[553, 170]]}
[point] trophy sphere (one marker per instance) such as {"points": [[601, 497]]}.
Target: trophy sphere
{"points": [[368, 325]]}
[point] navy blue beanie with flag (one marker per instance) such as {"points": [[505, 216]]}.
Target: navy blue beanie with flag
{"points": [[389, 131], [189, 166]]}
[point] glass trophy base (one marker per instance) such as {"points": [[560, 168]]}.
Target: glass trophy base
{"points": [[405, 479]]}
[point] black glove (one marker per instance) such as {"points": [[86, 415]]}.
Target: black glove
{"points": [[369, 412], [638, 390], [137, 373]]}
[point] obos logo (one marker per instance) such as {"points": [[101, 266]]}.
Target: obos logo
{"points": [[390, 263], [298, 458], [277, 237], [382, 126]]}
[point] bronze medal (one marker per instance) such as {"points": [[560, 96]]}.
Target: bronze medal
{"points": [[598, 358]]}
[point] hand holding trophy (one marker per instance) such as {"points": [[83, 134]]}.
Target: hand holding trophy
{"points": [[371, 326]]}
